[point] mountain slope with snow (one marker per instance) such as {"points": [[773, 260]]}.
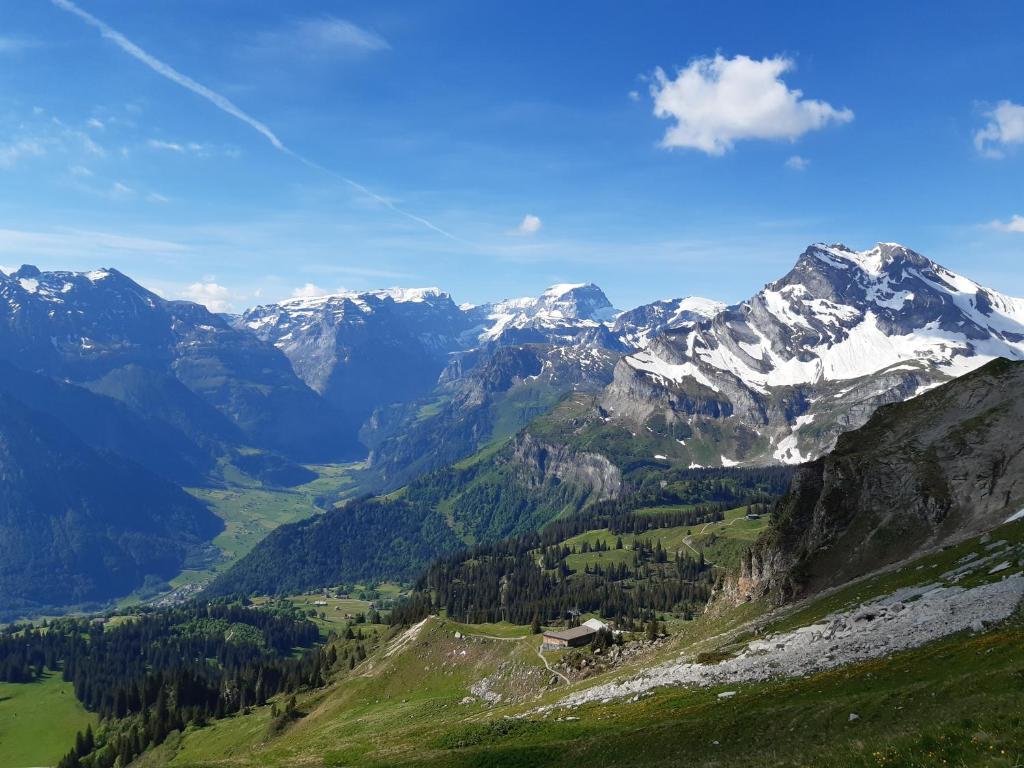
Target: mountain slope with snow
{"points": [[780, 376]]}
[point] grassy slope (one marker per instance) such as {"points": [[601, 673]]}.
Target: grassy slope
{"points": [[957, 701], [722, 543], [38, 721]]}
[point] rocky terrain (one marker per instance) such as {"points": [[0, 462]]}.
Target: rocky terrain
{"points": [[896, 622], [936, 469]]}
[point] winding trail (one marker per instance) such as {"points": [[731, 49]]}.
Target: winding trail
{"points": [[539, 652], [548, 667]]}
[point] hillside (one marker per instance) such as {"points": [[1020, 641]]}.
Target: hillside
{"points": [[173, 360], [443, 693], [507, 490], [921, 474], [79, 526]]}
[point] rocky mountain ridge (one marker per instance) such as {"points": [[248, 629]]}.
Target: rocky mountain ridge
{"points": [[920, 474], [779, 377]]}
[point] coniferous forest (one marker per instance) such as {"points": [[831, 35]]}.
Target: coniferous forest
{"points": [[163, 670]]}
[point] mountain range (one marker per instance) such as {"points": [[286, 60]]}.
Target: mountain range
{"points": [[558, 400]]}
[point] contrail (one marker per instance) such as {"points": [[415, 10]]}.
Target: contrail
{"points": [[226, 105]]}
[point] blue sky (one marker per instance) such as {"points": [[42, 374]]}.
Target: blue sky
{"points": [[491, 148]]}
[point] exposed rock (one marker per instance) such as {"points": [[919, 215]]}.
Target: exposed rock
{"points": [[541, 462], [936, 469]]}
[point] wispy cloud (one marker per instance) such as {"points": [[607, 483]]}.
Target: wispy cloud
{"points": [[168, 145], [1005, 127], [78, 244], [11, 45], [225, 105], [320, 38], [1015, 224], [716, 102], [11, 154]]}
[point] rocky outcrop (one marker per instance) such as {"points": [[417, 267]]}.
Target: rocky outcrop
{"points": [[933, 470], [541, 462]]}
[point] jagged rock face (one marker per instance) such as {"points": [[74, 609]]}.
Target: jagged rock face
{"points": [[361, 351], [87, 327], [540, 462], [936, 469], [779, 377]]}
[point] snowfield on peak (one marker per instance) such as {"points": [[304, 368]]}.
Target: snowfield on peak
{"points": [[842, 333]]}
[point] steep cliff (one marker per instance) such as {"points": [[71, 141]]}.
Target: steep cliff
{"points": [[542, 462], [920, 474]]}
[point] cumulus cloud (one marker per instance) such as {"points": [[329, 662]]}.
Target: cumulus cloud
{"points": [[530, 225], [798, 163], [308, 291], [716, 102], [1015, 224], [213, 296], [1004, 128]]}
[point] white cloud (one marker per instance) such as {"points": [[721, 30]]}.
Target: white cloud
{"points": [[308, 291], [320, 38], [634, 95], [10, 154], [1005, 127], [1015, 224], [95, 122], [213, 296], [331, 34], [80, 170], [530, 225], [717, 101], [80, 244], [226, 105], [120, 189], [171, 146], [156, 197], [798, 163]]}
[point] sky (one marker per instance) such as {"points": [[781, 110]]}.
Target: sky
{"points": [[239, 153]]}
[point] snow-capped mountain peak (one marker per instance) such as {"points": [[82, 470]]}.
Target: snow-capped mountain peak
{"points": [[885, 323]]}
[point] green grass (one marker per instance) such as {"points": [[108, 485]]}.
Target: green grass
{"points": [[959, 701], [724, 542], [250, 511], [38, 721]]}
